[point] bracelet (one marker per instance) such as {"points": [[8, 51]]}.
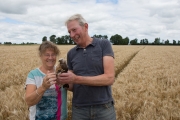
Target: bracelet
{"points": [[37, 93]]}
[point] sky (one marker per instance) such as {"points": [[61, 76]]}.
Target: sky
{"points": [[31, 20]]}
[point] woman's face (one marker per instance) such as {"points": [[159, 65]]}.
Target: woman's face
{"points": [[48, 58]]}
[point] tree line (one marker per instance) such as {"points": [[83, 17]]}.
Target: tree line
{"points": [[65, 40], [23, 43], [114, 39]]}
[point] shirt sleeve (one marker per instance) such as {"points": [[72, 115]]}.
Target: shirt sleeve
{"points": [[107, 48], [30, 79], [69, 60]]}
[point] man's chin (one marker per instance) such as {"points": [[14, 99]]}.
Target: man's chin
{"points": [[76, 39]]}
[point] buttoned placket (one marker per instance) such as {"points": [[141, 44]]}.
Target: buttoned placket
{"points": [[85, 57]]}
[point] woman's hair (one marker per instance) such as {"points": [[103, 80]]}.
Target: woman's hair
{"points": [[48, 45], [77, 17]]}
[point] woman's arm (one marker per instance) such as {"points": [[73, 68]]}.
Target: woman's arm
{"points": [[33, 95]]}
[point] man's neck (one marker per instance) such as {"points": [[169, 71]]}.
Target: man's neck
{"points": [[87, 42]]}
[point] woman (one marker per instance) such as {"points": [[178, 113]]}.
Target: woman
{"points": [[47, 101]]}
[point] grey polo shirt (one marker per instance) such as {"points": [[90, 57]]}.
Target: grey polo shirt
{"points": [[89, 62]]}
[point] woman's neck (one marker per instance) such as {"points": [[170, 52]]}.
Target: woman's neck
{"points": [[46, 69]]}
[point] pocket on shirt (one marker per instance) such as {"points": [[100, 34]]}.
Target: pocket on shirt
{"points": [[97, 55]]}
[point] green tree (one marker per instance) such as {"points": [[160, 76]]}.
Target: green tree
{"points": [[97, 36], [67, 38], [116, 40], [101, 36], [59, 40], [44, 39], [134, 41], [63, 39], [144, 41], [167, 42], [53, 38], [174, 42], [23, 43], [178, 42], [105, 36], [70, 40], [157, 41], [7, 43], [126, 41]]}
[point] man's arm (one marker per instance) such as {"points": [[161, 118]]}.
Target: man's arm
{"points": [[100, 80]]}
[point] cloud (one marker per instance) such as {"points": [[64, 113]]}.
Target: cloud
{"points": [[13, 7], [29, 21]]}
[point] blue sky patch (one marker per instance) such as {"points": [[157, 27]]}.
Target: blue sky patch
{"points": [[9, 20], [105, 1]]}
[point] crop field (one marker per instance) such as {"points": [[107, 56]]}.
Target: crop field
{"points": [[146, 87]]}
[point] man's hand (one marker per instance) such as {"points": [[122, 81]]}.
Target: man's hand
{"points": [[66, 78]]}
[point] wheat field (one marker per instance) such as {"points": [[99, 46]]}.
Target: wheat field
{"points": [[147, 83]]}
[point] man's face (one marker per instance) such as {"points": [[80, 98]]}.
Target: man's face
{"points": [[76, 31]]}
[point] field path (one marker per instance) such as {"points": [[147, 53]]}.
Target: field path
{"points": [[148, 87], [129, 56]]}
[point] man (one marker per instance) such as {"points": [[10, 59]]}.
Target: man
{"points": [[90, 75]]}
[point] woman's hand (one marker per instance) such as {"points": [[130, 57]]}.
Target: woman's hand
{"points": [[49, 80]]}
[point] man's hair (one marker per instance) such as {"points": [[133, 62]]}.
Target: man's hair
{"points": [[77, 17]]}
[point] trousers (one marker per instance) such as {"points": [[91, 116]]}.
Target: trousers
{"points": [[94, 112]]}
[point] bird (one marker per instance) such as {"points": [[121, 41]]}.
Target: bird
{"points": [[62, 68]]}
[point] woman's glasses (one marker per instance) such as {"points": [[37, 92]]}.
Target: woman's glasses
{"points": [[48, 55]]}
